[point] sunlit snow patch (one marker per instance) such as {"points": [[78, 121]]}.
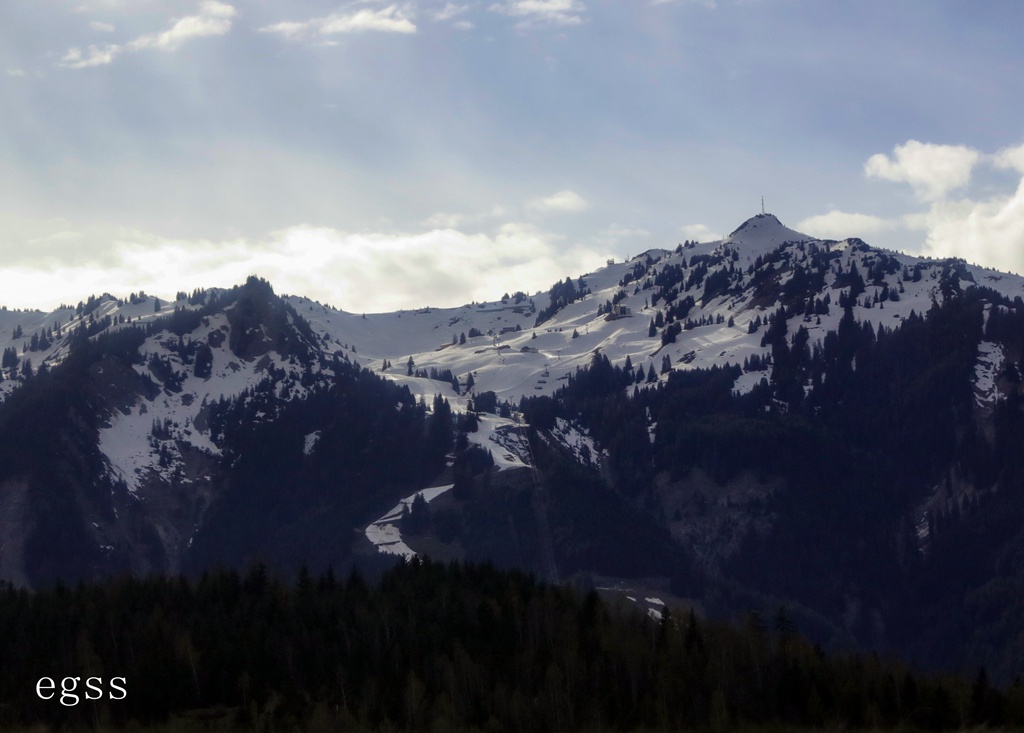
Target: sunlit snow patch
{"points": [[990, 359], [578, 442], [505, 439], [385, 534]]}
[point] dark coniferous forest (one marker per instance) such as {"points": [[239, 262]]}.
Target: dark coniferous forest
{"points": [[436, 647], [888, 416]]}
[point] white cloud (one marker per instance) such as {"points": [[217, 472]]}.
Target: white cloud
{"points": [[361, 272], [1010, 158], [932, 170], [16, 72], [214, 19], [542, 12], [699, 232], [463, 25], [288, 29], [449, 11], [391, 19], [841, 225], [102, 27], [567, 202], [989, 231], [97, 56]]}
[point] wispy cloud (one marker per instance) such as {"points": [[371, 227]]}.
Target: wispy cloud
{"points": [[618, 238], [214, 19], [699, 232], [391, 19], [371, 272], [444, 220], [542, 12], [565, 202], [449, 11], [93, 56], [15, 72], [102, 27], [842, 224], [94, 6]]}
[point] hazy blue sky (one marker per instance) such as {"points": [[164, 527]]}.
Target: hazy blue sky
{"points": [[377, 154]]}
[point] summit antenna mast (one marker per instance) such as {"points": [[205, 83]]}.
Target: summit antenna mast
{"points": [[762, 204]]}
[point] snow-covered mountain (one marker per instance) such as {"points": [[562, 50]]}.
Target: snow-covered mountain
{"points": [[717, 296], [232, 425], [515, 356], [505, 348]]}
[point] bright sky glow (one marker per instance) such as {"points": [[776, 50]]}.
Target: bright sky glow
{"points": [[383, 154]]}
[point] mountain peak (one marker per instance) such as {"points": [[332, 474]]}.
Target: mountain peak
{"points": [[761, 233], [755, 222]]}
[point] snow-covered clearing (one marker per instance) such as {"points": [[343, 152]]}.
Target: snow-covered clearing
{"points": [[385, 534]]}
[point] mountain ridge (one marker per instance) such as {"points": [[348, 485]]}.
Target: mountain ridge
{"points": [[699, 414], [705, 305]]}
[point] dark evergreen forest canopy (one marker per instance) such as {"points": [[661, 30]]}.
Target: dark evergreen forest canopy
{"points": [[887, 416], [435, 647]]}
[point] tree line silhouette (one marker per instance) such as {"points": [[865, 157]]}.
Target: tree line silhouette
{"points": [[444, 647]]}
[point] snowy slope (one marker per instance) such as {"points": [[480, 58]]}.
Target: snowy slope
{"points": [[536, 360], [514, 356]]}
